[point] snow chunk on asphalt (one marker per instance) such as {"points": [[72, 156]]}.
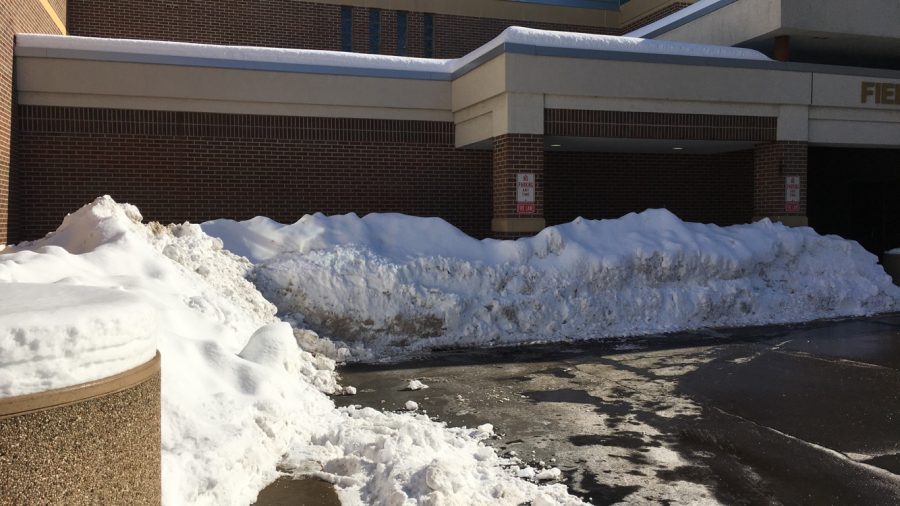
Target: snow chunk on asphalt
{"points": [[416, 385], [548, 474], [386, 285], [412, 405]]}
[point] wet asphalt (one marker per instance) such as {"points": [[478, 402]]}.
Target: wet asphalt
{"points": [[804, 414]]}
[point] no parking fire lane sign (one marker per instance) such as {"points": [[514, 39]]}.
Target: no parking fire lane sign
{"points": [[525, 189]]}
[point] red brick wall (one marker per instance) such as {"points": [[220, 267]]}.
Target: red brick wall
{"points": [[657, 125], [270, 23], [514, 153], [773, 162], [15, 16], [705, 188], [197, 166]]}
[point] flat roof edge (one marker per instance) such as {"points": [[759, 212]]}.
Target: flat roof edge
{"points": [[705, 61], [468, 64], [196, 61]]}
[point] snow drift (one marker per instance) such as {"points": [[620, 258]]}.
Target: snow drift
{"points": [[239, 396], [388, 284]]}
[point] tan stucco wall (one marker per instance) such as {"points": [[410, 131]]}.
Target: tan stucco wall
{"points": [[625, 79], [730, 25], [50, 81], [875, 18], [839, 116], [747, 19]]}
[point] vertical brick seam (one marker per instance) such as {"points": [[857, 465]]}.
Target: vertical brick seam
{"points": [[178, 166], [15, 16]]}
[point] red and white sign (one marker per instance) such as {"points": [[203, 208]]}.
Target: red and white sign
{"points": [[525, 188], [792, 194]]}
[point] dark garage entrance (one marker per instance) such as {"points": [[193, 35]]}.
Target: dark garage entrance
{"points": [[855, 193]]}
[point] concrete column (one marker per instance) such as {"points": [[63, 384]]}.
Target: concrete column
{"points": [[514, 155], [773, 164]]}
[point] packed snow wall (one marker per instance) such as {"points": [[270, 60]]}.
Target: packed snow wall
{"points": [[387, 282]]}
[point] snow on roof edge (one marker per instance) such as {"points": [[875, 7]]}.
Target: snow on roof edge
{"points": [[512, 35]]}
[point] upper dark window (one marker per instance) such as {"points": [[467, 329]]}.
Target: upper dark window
{"points": [[429, 35], [374, 31], [401, 34], [346, 28]]}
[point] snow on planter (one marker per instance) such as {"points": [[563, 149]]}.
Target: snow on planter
{"points": [[56, 335], [387, 283], [240, 398]]}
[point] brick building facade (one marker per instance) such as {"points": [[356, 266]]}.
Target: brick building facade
{"points": [[195, 133]]}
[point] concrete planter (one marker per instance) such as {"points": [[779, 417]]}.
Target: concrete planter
{"points": [[94, 443], [891, 265]]}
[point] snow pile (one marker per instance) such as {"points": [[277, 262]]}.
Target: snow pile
{"points": [[240, 397], [389, 284], [54, 336]]}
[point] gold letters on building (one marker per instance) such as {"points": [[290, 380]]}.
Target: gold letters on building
{"points": [[880, 93]]}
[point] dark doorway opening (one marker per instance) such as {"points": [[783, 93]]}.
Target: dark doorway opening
{"points": [[855, 193]]}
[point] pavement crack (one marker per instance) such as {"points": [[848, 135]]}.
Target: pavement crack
{"points": [[881, 473], [836, 361]]}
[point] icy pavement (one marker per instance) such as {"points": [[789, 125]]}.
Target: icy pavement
{"points": [[804, 414]]}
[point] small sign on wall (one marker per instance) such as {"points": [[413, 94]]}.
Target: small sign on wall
{"points": [[792, 194], [525, 189]]}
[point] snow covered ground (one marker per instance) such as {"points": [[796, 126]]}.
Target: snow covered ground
{"points": [[239, 397], [387, 284]]}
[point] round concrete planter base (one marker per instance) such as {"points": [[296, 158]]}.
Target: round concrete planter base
{"points": [[96, 443]]}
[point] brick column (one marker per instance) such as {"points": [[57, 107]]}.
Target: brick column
{"points": [[773, 163], [515, 154]]}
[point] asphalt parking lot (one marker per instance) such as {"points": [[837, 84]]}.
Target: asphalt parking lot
{"points": [[806, 414]]}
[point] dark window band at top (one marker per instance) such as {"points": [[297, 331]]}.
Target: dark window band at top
{"points": [[347, 29], [429, 35], [374, 31], [401, 33]]}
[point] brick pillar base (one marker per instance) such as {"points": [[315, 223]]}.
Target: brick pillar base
{"points": [[773, 164], [517, 154]]}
